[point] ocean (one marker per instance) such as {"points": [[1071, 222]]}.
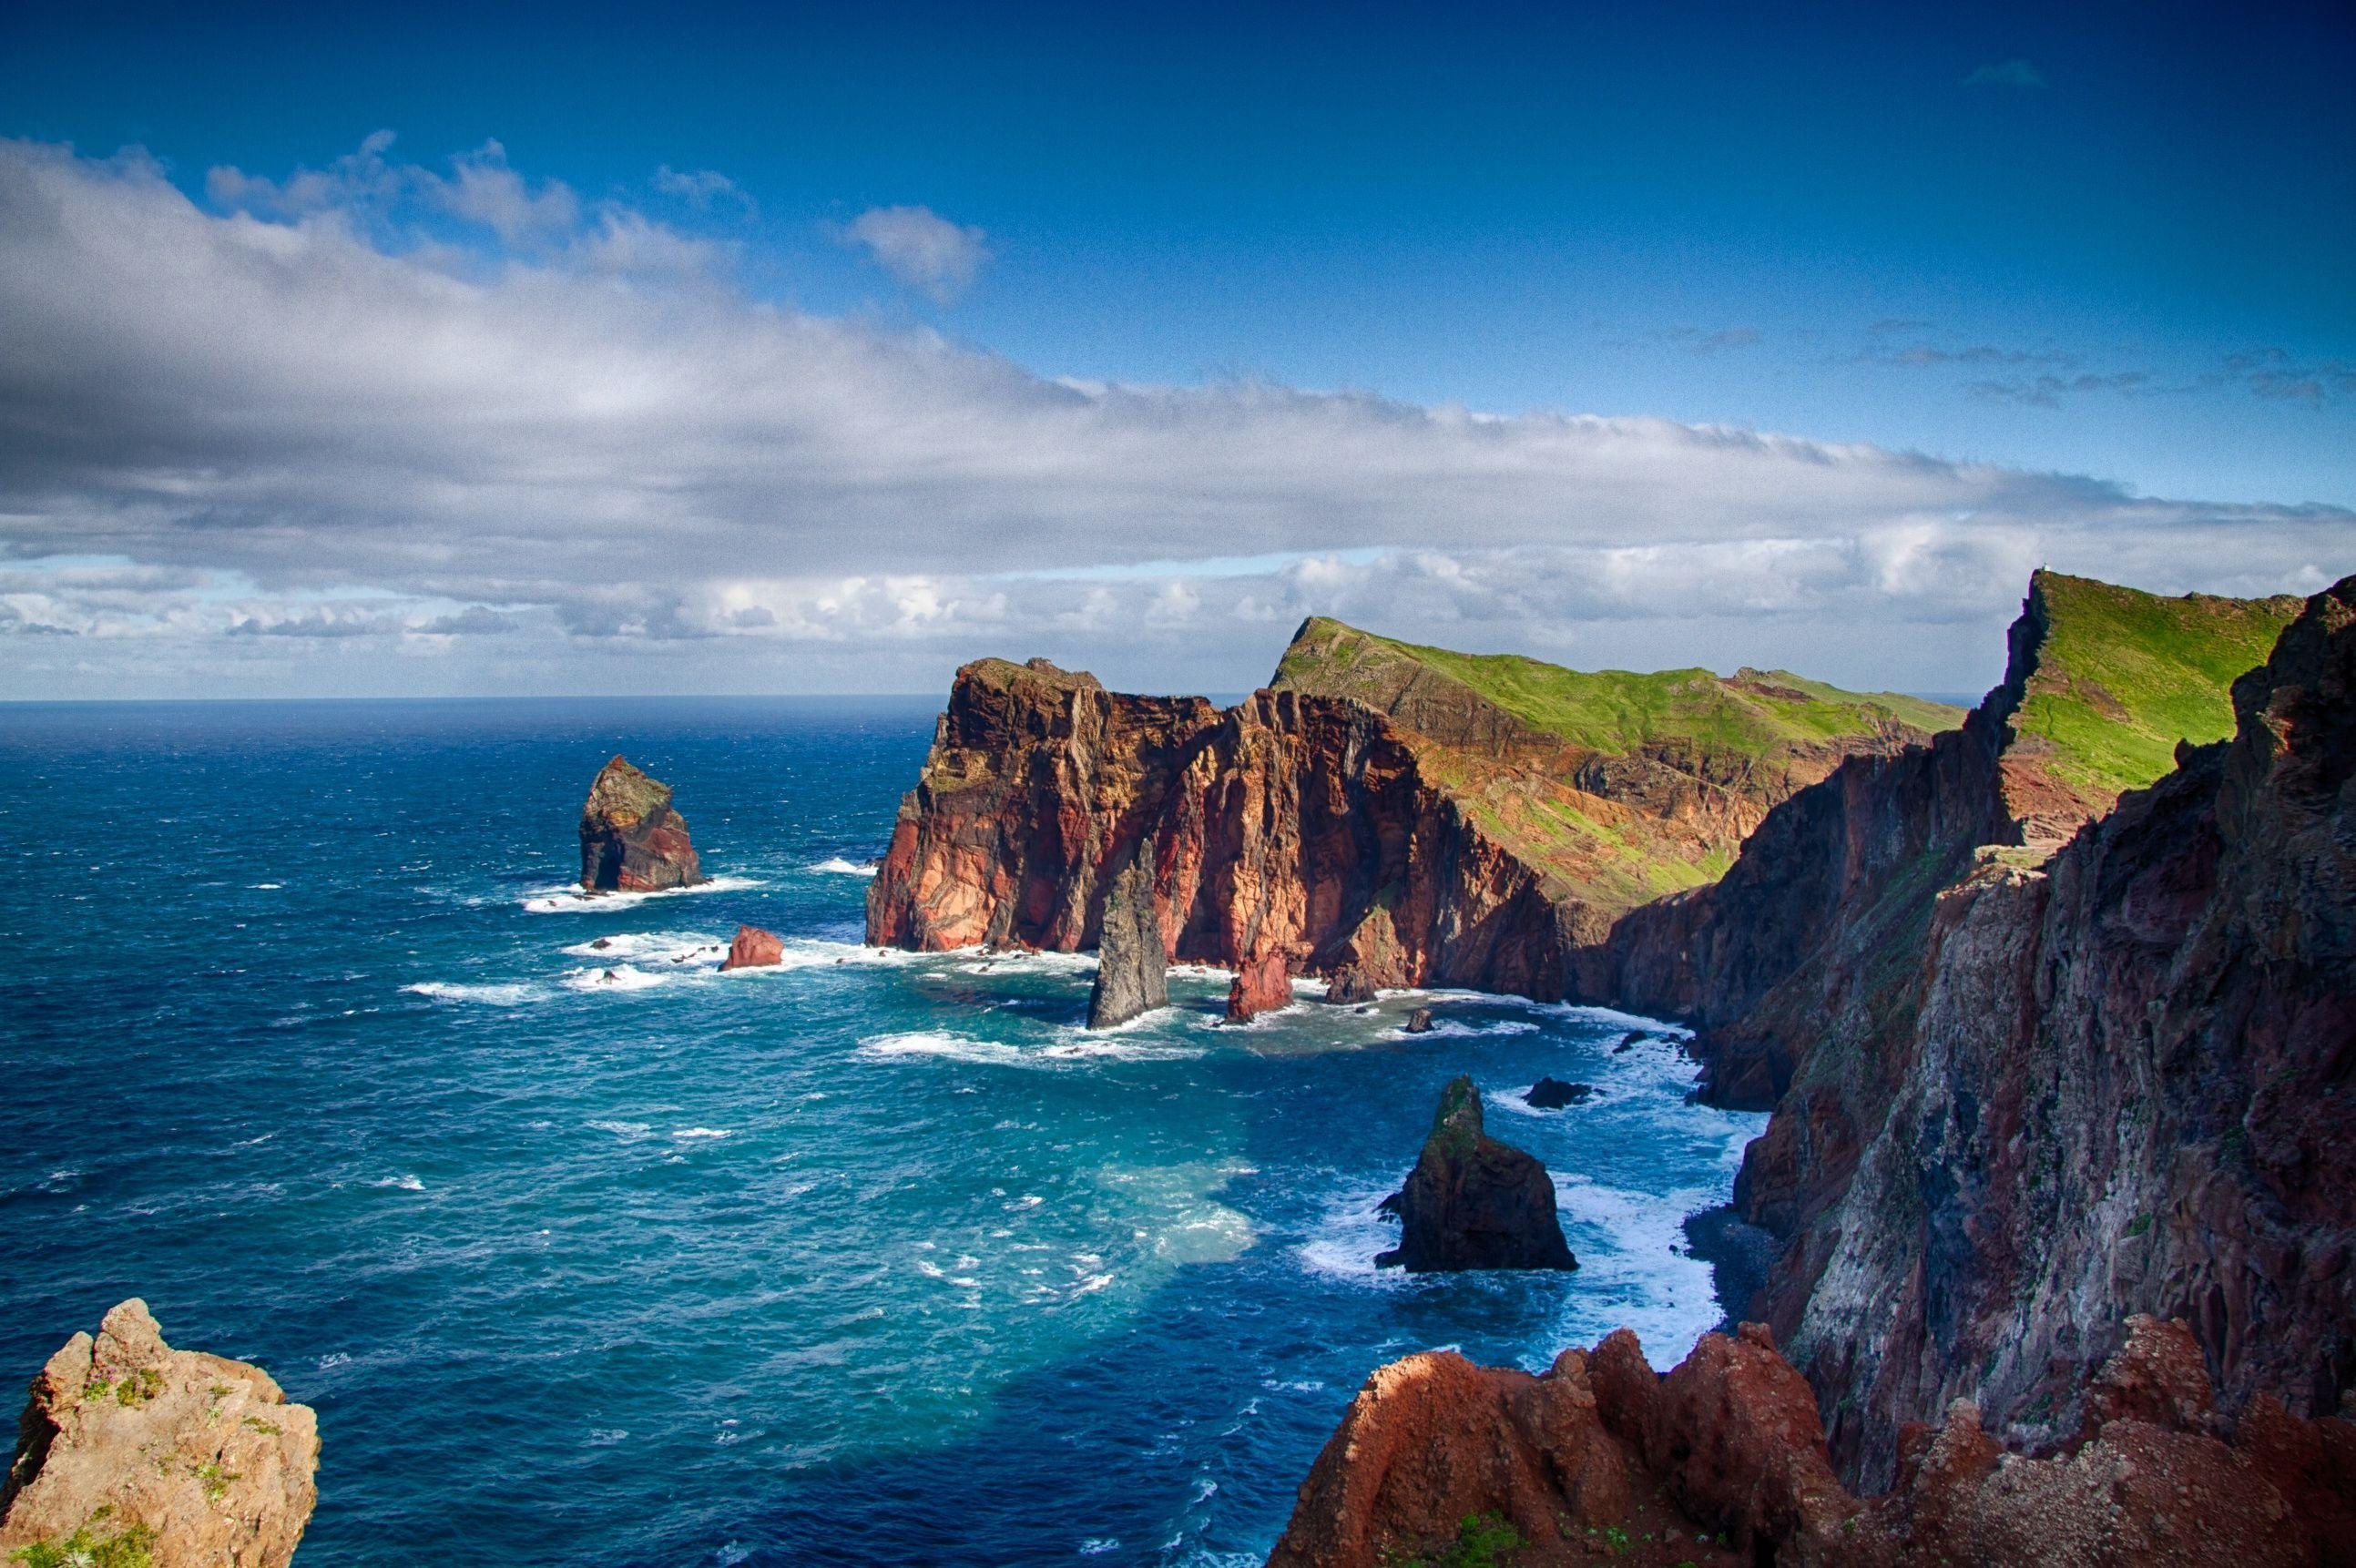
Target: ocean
{"points": [[588, 1253]]}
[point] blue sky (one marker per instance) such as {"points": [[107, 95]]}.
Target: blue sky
{"points": [[2111, 244]]}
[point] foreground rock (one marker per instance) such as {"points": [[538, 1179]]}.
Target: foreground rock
{"points": [[1723, 1462], [1132, 965], [755, 949], [1418, 1021], [1261, 984], [128, 1445], [1472, 1202], [632, 839]]}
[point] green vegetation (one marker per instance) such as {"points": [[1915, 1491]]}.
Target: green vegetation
{"points": [[2124, 675], [85, 1547], [1479, 1539], [135, 1389], [1613, 711]]}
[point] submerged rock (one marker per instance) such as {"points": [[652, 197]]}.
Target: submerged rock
{"points": [[1419, 1021], [1553, 1094], [1132, 965], [1472, 1202], [632, 839], [754, 949], [130, 1451]]}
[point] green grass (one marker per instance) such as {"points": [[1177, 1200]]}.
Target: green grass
{"points": [[85, 1547], [2124, 675], [1613, 711]]}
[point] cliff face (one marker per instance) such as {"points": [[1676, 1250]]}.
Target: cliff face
{"points": [[1723, 1462], [632, 839], [131, 1451], [2021, 1094], [1372, 813], [1289, 834]]}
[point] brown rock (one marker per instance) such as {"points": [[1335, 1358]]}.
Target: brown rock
{"points": [[1349, 986], [632, 839], [754, 949], [198, 1457], [1261, 985], [1418, 1021]]}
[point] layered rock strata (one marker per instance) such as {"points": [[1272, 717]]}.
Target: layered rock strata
{"points": [[632, 839], [1472, 1202], [1723, 1462], [1132, 963], [128, 1447]]}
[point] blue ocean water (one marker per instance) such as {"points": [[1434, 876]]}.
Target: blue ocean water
{"points": [[871, 1259]]}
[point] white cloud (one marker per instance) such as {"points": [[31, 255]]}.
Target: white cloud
{"points": [[699, 187], [921, 249], [246, 449]]}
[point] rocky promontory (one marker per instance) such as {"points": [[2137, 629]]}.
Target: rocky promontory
{"points": [[1472, 1202], [632, 839], [1132, 965], [130, 1451], [1722, 1464]]}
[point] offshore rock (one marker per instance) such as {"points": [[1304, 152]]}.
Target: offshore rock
{"points": [[1723, 1462], [754, 949], [1418, 1021], [1132, 965], [1349, 986], [632, 839], [129, 1444], [1472, 1202], [1554, 1094], [1261, 985]]}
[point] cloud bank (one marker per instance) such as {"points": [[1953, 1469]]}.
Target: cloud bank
{"points": [[528, 441]]}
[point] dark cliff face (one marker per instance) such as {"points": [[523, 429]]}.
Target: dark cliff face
{"points": [[2019, 1098], [1132, 963]]}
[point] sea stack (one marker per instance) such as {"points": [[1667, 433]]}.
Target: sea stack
{"points": [[1132, 965], [632, 839], [1472, 1202], [755, 949], [132, 1452], [1262, 984]]}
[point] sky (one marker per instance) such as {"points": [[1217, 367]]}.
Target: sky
{"points": [[632, 349]]}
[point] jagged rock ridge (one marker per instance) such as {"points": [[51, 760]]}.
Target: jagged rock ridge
{"points": [[129, 1447], [632, 839], [1132, 965]]}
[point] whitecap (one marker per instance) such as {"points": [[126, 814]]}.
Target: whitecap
{"points": [[403, 1183], [616, 978], [573, 901], [626, 1130], [835, 865], [1452, 1029], [264, 886], [941, 1044], [497, 995], [685, 1133]]}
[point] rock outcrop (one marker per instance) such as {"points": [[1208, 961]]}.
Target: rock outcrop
{"points": [[753, 948], [1554, 1094], [130, 1445], [1472, 1202], [632, 839], [1132, 963], [1418, 1021], [1723, 1462], [1417, 836]]}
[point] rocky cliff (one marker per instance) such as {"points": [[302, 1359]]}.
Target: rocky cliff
{"points": [[130, 1452], [1373, 813], [2023, 1090], [632, 839], [1723, 1463]]}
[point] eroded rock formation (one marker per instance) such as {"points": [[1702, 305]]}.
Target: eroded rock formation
{"points": [[632, 839], [1723, 1462], [1132, 965], [753, 948], [196, 1460], [1472, 1202]]}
